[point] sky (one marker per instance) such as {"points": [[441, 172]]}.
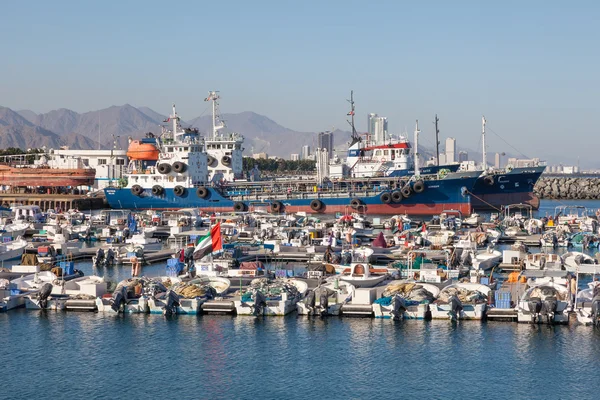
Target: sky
{"points": [[531, 67]]}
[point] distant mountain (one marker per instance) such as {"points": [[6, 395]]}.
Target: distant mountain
{"points": [[10, 118], [28, 115], [152, 114]]}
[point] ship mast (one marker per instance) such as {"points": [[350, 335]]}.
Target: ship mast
{"points": [[437, 141], [216, 124], [415, 152], [355, 137], [483, 141], [174, 118]]}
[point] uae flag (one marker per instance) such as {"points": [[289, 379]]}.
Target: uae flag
{"points": [[209, 243]]}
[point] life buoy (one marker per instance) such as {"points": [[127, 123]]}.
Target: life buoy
{"points": [[179, 167], [316, 205], [396, 196], [202, 192], [385, 197], [226, 161], [406, 191], [136, 190], [276, 206], [164, 168], [488, 180], [239, 207], [179, 191], [211, 161], [157, 190], [355, 203], [419, 186]]}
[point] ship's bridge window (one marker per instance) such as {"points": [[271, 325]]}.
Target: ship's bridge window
{"points": [[385, 152], [185, 149], [378, 152], [120, 161], [102, 161], [230, 146]]}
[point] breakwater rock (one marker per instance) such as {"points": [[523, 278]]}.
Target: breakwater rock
{"points": [[567, 188]]}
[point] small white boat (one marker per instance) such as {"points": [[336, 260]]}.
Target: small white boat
{"points": [[260, 303], [148, 244], [461, 301], [326, 299], [543, 261], [544, 302], [406, 300], [76, 294], [486, 259], [187, 297], [574, 259], [588, 305], [12, 250], [363, 276]]}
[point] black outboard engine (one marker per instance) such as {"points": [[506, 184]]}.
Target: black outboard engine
{"points": [[210, 291], [346, 258], [43, 295], [171, 303], [399, 307], [119, 297], [549, 308], [535, 307], [260, 302], [99, 259], [455, 307], [309, 301], [596, 310], [324, 300], [109, 258]]}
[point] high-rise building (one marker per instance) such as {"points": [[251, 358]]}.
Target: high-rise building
{"points": [[295, 157], [325, 141], [450, 150], [463, 156], [378, 127], [306, 152], [497, 160]]}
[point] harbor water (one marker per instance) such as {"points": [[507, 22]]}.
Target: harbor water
{"points": [[96, 356]]}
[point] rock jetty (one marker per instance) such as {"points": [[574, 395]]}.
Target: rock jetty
{"points": [[567, 188]]}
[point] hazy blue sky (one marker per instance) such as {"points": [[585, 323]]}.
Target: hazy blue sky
{"points": [[530, 66]]}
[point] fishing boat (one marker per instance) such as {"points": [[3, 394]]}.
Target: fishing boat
{"points": [[588, 304], [406, 300], [461, 301], [181, 179], [326, 299], [267, 298], [544, 302], [574, 259], [78, 294], [12, 250]]}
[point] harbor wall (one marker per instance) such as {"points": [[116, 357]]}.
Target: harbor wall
{"points": [[568, 188], [63, 202]]}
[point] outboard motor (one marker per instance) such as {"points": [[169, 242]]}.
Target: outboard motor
{"points": [[43, 295], [119, 297], [99, 259], [596, 311], [260, 302], [109, 258], [535, 307], [210, 291], [346, 258], [549, 308], [399, 307], [309, 301], [171, 303], [324, 300], [455, 307]]}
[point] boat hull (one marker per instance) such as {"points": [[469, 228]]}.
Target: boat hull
{"points": [[512, 187], [46, 177], [438, 196]]}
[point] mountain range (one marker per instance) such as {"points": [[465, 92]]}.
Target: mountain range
{"points": [[101, 128]]}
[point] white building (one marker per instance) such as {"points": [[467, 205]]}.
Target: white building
{"points": [[110, 165], [306, 152], [497, 161], [295, 157], [450, 151], [523, 163], [463, 156], [378, 128]]}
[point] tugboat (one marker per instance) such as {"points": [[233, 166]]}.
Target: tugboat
{"points": [[182, 178]]}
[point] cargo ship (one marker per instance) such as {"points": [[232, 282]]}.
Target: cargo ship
{"points": [[180, 178], [19, 174]]}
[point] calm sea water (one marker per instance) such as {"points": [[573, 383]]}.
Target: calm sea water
{"points": [[97, 356]]}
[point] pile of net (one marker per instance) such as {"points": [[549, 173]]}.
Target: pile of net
{"points": [[272, 289], [82, 296], [466, 296], [544, 292], [191, 290], [4, 283], [137, 286], [410, 291]]}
